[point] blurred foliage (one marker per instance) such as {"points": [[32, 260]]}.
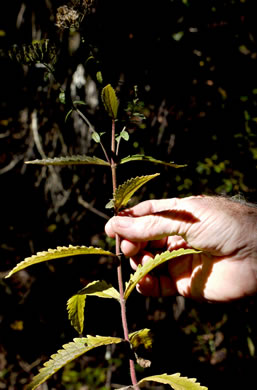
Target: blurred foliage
{"points": [[185, 74]]}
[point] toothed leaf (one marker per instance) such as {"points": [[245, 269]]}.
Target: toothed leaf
{"points": [[141, 157], [175, 381], [100, 289], [110, 101], [70, 351], [126, 190], [76, 304], [141, 337], [71, 160], [141, 341], [59, 252], [151, 264]]}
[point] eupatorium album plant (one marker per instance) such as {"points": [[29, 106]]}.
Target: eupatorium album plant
{"points": [[122, 193]]}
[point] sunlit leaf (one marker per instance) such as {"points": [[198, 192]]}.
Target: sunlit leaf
{"points": [[141, 157], [141, 341], [76, 304], [71, 160], [59, 252], [110, 101], [100, 289], [151, 264], [141, 337], [70, 351], [175, 381], [126, 190]]}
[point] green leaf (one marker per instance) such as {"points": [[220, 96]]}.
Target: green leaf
{"points": [[141, 157], [141, 337], [100, 289], [96, 137], [110, 101], [76, 304], [141, 341], [110, 204], [175, 381], [124, 135], [126, 190], [81, 102], [59, 252], [71, 160], [70, 351], [62, 97], [150, 265], [99, 77]]}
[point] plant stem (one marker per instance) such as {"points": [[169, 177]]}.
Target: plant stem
{"points": [[119, 269]]}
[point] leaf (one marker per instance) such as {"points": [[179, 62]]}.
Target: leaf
{"points": [[110, 204], [110, 101], [76, 304], [141, 157], [175, 381], [81, 102], [99, 77], [141, 337], [150, 265], [62, 97], [59, 252], [141, 341], [71, 160], [100, 289], [126, 190], [123, 134], [70, 351], [96, 137]]}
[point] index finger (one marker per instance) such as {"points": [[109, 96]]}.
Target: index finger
{"points": [[149, 207]]}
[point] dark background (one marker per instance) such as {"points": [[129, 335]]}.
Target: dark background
{"points": [[194, 65]]}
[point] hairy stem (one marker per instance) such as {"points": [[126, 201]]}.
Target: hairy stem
{"points": [[119, 269]]}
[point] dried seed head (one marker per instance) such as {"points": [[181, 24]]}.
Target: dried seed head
{"points": [[71, 16]]}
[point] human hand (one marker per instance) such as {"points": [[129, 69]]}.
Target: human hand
{"points": [[225, 231]]}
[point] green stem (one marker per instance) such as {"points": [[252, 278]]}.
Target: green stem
{"points": [[92, 130], [119, 269]]}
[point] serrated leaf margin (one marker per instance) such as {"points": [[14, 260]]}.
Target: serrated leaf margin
{"points": [[59, 252], [70, 351], [150, 265], [176, 381], [142, 157], [110, 101], [125, 191], [70, 160], [76, 304]]}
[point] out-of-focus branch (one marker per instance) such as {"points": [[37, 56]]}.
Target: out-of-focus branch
{"points": [[91, 208]]}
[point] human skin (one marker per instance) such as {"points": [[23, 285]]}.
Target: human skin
{"points": [[223, 230]]}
